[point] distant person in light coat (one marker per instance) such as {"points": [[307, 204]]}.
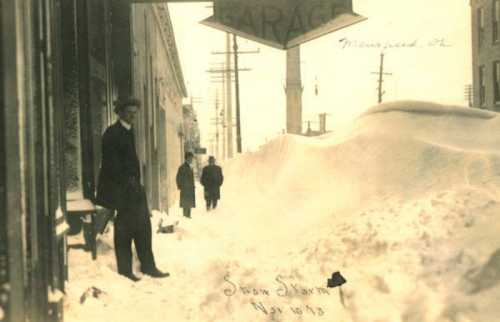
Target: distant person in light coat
{"points": [[212, 179], [185, 183]]}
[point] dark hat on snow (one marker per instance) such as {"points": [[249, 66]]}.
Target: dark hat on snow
{"points": [[336, 280], [124, 102]]}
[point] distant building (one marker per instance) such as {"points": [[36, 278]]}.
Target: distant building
{"points": [[191, 129], [486, 53], [156, 77], [191, 133], [322, 127]]}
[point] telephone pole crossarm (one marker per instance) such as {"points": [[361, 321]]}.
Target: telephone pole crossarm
{"points": [[239, 52], [228, 70]]}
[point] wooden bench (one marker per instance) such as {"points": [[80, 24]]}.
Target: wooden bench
{"points": [[87, 211]]}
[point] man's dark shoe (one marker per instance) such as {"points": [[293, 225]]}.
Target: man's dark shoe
{"points": [[131, 277], [156, 273]]}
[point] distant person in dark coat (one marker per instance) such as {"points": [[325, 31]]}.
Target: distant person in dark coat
{"points": [[119, 188], [185, 183], [212, 179]]}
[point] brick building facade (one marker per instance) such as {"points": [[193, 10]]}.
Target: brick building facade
{"points": [[63, 63], [159, 83]]}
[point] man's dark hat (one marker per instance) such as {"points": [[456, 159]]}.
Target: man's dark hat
{"points": [[123, 102]]}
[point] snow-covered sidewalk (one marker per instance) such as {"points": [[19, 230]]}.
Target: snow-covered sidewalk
{"points": [[405, 203]]}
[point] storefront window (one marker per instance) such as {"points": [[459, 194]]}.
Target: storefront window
{"points": [[496, 19], [482, 86], [480, 24], [496, 81]]}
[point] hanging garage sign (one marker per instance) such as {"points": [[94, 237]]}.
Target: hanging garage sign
{"points": [[282, 23]]}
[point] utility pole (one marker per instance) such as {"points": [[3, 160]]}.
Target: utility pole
{"points": [[237, 84], [222, 79], [216, 123], [212, 149], [219, 122], [229, 98], [228, 71], [236, 54], [216, 134], [381, 74], [223, 120]]}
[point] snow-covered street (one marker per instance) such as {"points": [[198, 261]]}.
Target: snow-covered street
{"points": [[405, 203]]}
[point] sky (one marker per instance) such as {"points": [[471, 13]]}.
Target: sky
{"points": [[437, 69]]}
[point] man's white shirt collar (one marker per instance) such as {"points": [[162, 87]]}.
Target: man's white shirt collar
{"points": [[125, 124]]}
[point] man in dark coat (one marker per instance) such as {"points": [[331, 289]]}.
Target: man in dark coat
{"points": [[185, 183], [119, 188], [212, 179]]}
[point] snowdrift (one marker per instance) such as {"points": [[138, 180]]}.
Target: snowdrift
{"points": [[405, 202]]}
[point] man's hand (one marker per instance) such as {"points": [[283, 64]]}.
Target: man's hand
{"points": [[108, 215], [134, 185], [132, 181]]}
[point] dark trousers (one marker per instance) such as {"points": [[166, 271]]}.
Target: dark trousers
{"points": [[133, 224], [211, 202], [139, 231], [187, 212]]}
